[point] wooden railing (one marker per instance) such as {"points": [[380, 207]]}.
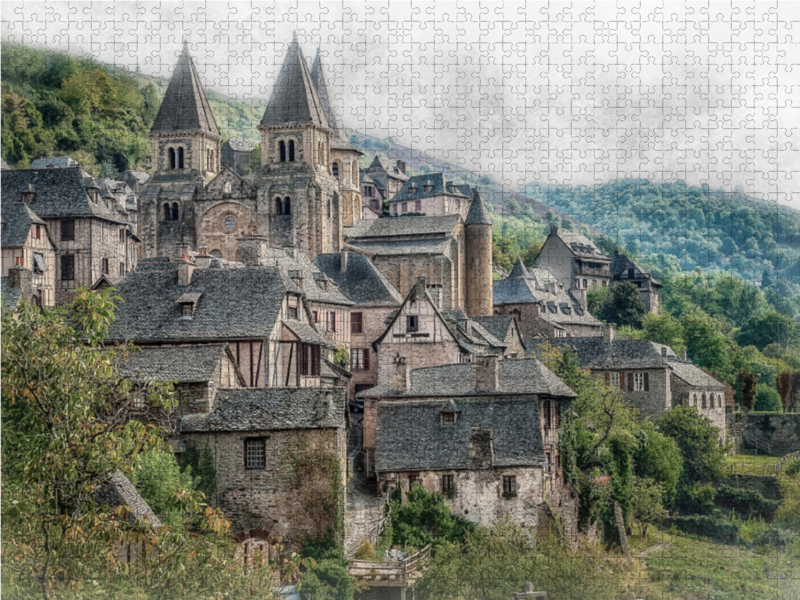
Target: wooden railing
{"points": [[377, 529], [785, 459], [415, 561], [748, 468], [756, 442]]}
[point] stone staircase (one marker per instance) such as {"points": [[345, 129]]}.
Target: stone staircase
{"points": [[363, 514]]}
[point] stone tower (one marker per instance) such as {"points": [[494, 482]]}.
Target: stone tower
{"points": [[299, 188], [344, 157], [478, 246], [185, 154]]}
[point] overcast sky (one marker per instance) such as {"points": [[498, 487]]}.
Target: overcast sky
{"points": [[548, 92]]}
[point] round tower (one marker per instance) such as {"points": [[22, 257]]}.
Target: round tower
{"points": [[478, 244]]}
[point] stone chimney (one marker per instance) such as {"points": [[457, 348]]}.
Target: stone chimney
{"points": [[422, 283], [181, 250], [343, 255], [402, 378], [683, 354], [252, 250], [203, 259], [608, 333], [20, 278], [185, 271], [486, 373], [664, 353], [553, 229]]}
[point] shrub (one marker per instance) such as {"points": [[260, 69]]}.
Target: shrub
{"points": [[715, 527], [366, 551], [767, 399], [746, 502]]}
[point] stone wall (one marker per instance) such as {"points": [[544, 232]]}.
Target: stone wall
{"points": [[781, 431], [653, 402], [373, 324], [684, 394]]}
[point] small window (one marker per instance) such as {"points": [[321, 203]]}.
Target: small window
{"points": [[38, 263], [335, 170], [638, 382], [68, 230], [585, 284], [171, 155], [548, 463], [180, 158], [227, 187], [278, 206], [704, 401], [37, 232], [137, 401], [448, 418], [287, 206], [418, 206], [175, 211], [404, 207], [448, 486], [359, 359], [547, 414], [122, 269], [67, 267], [293, 312], [509, 486], [613, 379], [122, 236], [414, 479], [282, 150], [332, 321], [255, 453], [291, 150], [412, 323], [315, 316], [104, 266], [309, 360], [356, 322], [187, 310]]}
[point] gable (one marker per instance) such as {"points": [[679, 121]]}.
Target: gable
{"points": [[228, 184]]}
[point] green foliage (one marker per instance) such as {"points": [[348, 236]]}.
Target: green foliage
{"points": [[748, 386], [161, 483], [366, 551], [623, 306], [788, 515], [715, 527], [596, 297], [664, 329], [767, 399], [658, 458], [768, 328], [425, 519], [341, 357], [747, 503], [647, 502], [254, 160], [200, 465], [698, 440], [327, 578]]}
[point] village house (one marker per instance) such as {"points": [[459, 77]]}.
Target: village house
{"points": [[371, 193], [575, 261], [235, 154], [389, 175], [279, 457], [92, 234], [374, 301], [262, 316], [624, 268], [431, 194], [483, 434], [29, 256], [652, 376], [541, 306]]}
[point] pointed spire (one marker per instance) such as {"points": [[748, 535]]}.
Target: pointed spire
{"points": [[295, 98], [519, 271], [477, 214], [320, 82], [185, 106]]}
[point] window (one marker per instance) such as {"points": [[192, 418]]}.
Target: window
{"points": [[121, 236], [137, 401], [291, 150], [187, 310], [356, 322], [309, 359], [704, 401], [359, 359], [412, 323], [547, 462], [335, 170], [418, 206], [38, 263], [332, 321], [448, 486], [180, 158], [315, 316], [585, 284], [67, 267], [227, 187], [175, 211], [640, 382], [171, 154], [293, 312], [448, 418], [37, 232], [104, 266], [613, 379], [68, 230], [287, 206], [547, 414], [122, 269], [413, 478], [509, 486], [282, 150], [255, 453], [404, 207], [278, 206]]}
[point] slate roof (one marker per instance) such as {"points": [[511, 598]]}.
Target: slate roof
{"points": [[117, 490], [17, 219], [389, 166], [694, 376], [185, 106], [516, 377], [404, 226], [271, 409], [59, 193], [402, 247], [140, 176], [497, 325], [437, 182], [305, 332], [184, 364], [57, 162], [4, 166], [294, 98], [411, 437], [235, 304], [338, 139], [477, 214], [579, 244], [621, 262], [240, 144], [360, 282], [10, 296], [311, 275], [595, 353]]}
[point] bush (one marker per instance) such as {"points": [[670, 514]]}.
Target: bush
{"points": [[715, 527], [746, 502], [366, 551], [425, 519], [767, 399]]}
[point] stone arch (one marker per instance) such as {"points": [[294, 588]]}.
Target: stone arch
{"points": [[278, 205], [167, 213], [287, 205], [291, 150], [282, 151], [171, 157], [180, 157], [175, 212], [227, 187]]}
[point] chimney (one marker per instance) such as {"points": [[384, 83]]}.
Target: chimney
{"points": [[343, 255], [486, 373], [203, 259], [252, 250], [422, 283], [185, 271], [664, 353], [608, 333], [181, 250], [683, 354], [401, 165], [553, 229], [20, 278], [401, 381]]}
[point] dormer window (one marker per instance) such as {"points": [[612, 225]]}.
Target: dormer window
{"points": [[187, 310], [28, 195], [448, 417], [293, 313], [426, 188], [187, 304]]}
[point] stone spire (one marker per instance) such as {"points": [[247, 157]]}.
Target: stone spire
{"points": [[477, 214], [519, 271], [320, 82], [295, 98], [185, 106]]}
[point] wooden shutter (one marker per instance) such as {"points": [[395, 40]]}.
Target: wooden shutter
{"points": [[630, 382], [622, 380], [316, 359], [608, 377], [303, 359], [366, 359], [647, 382]]}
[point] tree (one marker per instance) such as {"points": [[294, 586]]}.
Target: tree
{"points": [[767, 399], [623, 306], [748, 383], [785, 384], [254, 160], [771, 327], [596, 296], [698, 440], [425, 519], [160, 481], [706, 345], [658, 458], [648, 498], [663, 329]]}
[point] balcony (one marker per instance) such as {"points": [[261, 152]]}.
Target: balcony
{"points": [[584, 270]]}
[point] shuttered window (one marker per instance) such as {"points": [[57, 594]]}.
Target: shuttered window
{"points": [[449, 485], [68, 230], [67, 267], [357, 322]]}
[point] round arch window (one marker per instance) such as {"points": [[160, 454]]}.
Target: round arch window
{"points": [[216, 253], [230, 222]]}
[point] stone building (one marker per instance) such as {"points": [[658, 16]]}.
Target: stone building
{"points": [[236, 154], [91, 232], [575, 261], [431, 194], [485, 435], [29, 255], [541, 306], [652, 376], [389, 175], [374, 302], [279, 457], [624, 268], [261, 315], [372, 196]]}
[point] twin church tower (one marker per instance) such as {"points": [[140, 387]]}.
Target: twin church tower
{"points": [[305, 192]]}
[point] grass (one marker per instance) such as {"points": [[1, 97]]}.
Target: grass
{"points": [[679, 567], [751, 464]]}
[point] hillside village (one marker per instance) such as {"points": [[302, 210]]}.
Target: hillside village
{"points": [[290, 311]]}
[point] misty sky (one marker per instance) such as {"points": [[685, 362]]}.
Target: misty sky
{"points": [[538, 92]]}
